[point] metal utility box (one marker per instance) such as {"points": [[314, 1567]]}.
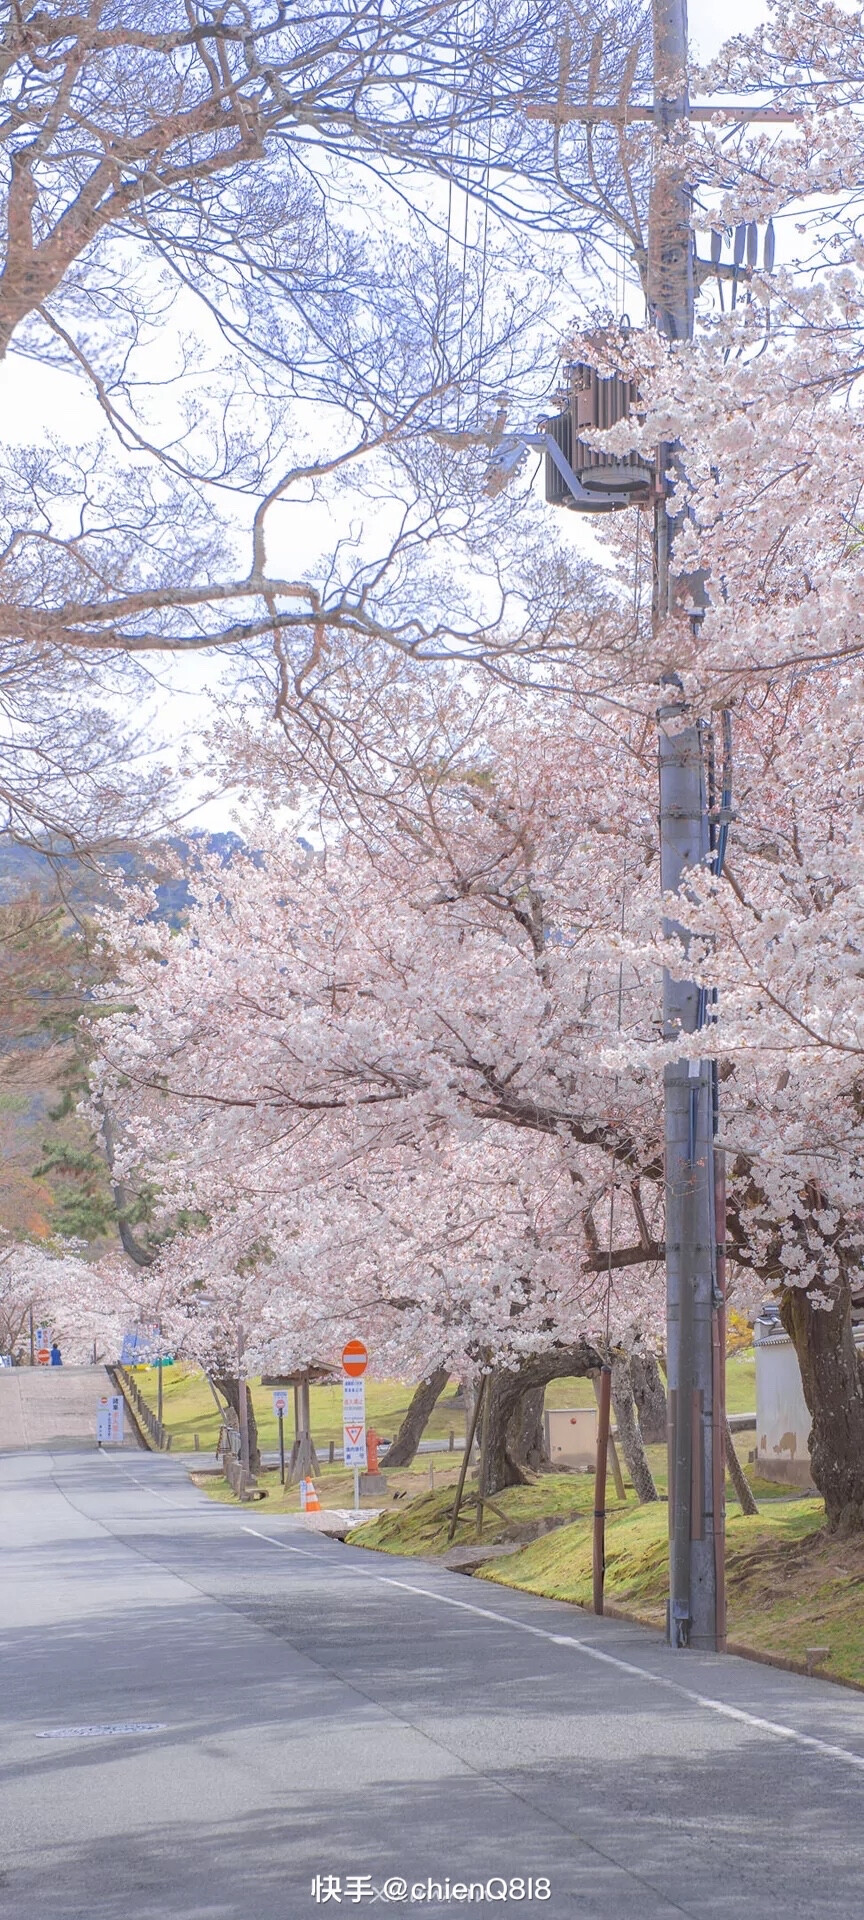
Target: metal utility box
{"points": [[612, 480], [571, 1436]]}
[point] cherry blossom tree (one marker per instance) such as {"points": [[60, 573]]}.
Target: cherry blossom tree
{"points": [[51, 1285], [456, 996], [412, 1062]]}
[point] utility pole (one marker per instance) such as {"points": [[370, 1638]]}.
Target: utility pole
{"points": [[696, 1526], [695, 1196]]}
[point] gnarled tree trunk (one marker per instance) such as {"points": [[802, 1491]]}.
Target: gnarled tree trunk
{"points": [[629, 1436], [229, 1386], [509, 1387], [526, 1439], [411, 1431], [832, 1376], [649, 1394]]}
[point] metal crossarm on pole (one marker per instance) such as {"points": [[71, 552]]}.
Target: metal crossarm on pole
{"points": [[617, 114]]}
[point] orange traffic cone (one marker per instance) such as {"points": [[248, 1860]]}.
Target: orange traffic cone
{"points": [[313, 1504]]}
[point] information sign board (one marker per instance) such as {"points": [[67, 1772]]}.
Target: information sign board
{"points": [[354, 1423], [110, 1420]]}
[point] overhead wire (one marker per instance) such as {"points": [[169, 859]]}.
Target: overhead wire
{"points": [[451, 160], [468, 156]]}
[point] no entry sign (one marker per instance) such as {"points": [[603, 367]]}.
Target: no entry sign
{"points": [[354, 1359]]}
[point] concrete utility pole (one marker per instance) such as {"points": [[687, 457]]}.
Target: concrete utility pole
{"points": [[695, 1199], [696, 1515]]}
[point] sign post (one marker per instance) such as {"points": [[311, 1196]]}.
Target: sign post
{"points": [[280, 1402], [354, 1362]]}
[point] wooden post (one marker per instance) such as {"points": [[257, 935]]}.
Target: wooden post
{"points": [[484, 1452], [241, 1407], [460, 1488], [612, 1454], [604, 1401]]}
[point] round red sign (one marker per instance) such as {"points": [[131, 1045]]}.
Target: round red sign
{"points": [[354, 1358]]}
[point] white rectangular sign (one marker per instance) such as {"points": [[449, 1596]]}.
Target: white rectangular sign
{"points": [[354, 1423], [280, 1402], [109, 1420]]}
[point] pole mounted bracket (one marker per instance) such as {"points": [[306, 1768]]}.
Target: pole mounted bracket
{"points": [[509, 457], [511, 452]]}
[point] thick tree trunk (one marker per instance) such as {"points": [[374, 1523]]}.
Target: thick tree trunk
{"points": [[526, 1439], [832, 1376], [502, 1469], [416, 1419], [229, 1387], [509, 1387], [629, 1436], [650, 1396]]}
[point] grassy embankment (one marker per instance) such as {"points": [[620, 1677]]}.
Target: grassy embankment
{"points": [[790, 1585]]}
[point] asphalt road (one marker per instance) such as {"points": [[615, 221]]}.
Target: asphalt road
{"points": [[317, 1710]]}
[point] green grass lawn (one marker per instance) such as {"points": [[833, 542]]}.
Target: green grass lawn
{"points": [[740, 1387], [741, 1382], [189, 1407]]}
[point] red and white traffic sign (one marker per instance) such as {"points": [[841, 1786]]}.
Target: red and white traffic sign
{"points": [[355, 1359]]}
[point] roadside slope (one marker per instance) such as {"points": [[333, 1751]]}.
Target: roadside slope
{"points": [[50, 1407]]}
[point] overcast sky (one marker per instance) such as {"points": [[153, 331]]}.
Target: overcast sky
{"points": [[713, 21]]}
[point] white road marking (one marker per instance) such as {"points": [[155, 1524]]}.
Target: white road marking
{"points": [[704, 1700], [142, 1483], [98, 1732]]}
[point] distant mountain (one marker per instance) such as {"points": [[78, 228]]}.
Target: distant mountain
{"points": [[30, 869]]}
